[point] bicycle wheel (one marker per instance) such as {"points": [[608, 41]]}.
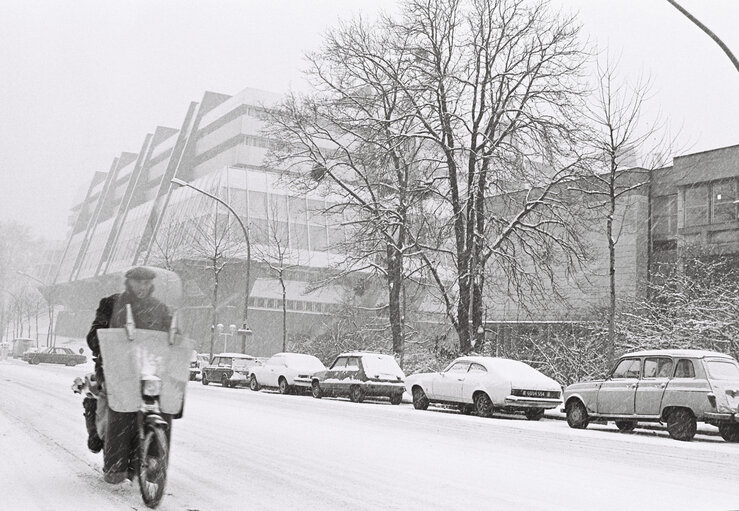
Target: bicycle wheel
{"points": [[153, 467]]}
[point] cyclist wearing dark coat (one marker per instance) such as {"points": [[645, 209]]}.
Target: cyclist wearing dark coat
{"points": [[150, 314]]}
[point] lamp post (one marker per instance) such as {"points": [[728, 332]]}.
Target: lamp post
{"points": [[244, 330], [50, 301]]}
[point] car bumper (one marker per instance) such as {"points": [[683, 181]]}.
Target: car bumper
{"points": [[304, 383], [730, 417], [239, 379], [385, 389], [530, 402]]}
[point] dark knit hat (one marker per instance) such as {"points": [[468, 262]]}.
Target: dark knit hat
{"points": [[140, 273]]}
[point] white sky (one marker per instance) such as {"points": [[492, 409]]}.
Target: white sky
{"points": [[84, 80]]}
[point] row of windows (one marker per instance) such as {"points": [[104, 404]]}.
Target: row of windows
{"points": [[293, 305], [654, 368], [711, 203]]}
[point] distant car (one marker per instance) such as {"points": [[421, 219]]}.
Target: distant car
{"points": [[229, 369], [486, 385], [286, 371], [197, 362], [63, 356], [678, 387], [359, 375]]}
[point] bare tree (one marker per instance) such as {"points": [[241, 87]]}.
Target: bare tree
{"points": [[279, 257], [494, 86], [353, 140], [213, 243], [171, 244], [618, 134]]}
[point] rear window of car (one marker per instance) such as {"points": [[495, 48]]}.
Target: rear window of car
{"points": [[381, 365], [685, 369], [723, 369]]}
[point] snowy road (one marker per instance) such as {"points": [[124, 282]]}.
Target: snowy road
{"points": [[237, 449]]}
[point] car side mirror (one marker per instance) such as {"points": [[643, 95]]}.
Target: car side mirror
{"points": [[82, 351]]}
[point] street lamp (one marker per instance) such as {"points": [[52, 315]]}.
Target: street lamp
{"points": [[244, 330], [50, 301]]}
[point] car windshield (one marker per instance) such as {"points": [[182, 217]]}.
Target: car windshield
{"points": [[723, 369], [307, 362], [381, 364]]}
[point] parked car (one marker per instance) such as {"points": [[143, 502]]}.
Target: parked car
{"points": [[54, 356], [678, 387], [229, 369], [485, 385], [359, 375], [197, 362], [286, 371]]}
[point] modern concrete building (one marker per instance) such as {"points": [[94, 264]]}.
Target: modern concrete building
{"points": [[692, 202], [133, 214]]}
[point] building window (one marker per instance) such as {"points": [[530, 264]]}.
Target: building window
{"points": [[664, 216], [723, 195], [696, 205]]}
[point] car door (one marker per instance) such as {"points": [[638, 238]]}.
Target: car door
{"points": [[448, 386], [654, 379], [47, 355], [474, 379], [617, 394], [334, 374], [272, 370], [214, 372], [352, 373]]}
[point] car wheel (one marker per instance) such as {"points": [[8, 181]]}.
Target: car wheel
{"points": [[577, 415], [420, 401], [625, 426], [253, 383], [729, 432], [483, 405], [282, 386], [681, 424], [356, 394], [33, 361], [70, 363], [204, 379], [315, 390], [395, 399], [535, 415], [224, 381]]}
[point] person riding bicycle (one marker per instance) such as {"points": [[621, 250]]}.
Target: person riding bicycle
{"points": [[120, 436]]}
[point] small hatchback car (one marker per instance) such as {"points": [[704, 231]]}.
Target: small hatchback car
{"points": [[678, 387], [229, 369], [359, 375]]}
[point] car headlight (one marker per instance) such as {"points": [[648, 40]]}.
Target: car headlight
{"points": [[151, 386]]}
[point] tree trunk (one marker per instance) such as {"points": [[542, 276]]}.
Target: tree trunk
{"points": [[611, 349], [284, 313], [395, 285], [215, 311]]}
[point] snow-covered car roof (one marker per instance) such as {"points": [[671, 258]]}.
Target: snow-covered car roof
{"points": [[235, 355], [677, 353], [362, 353], [505, 365]]}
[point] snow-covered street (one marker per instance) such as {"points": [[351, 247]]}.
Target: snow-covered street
{"points": [[238, 449]]}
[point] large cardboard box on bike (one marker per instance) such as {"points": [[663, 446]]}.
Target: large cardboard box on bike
{"points": [[149, 353]]}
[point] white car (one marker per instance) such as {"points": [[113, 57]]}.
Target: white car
{"points": [[286, 372], [485, 385]]}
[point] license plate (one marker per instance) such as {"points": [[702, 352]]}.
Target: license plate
{"points": [[535, 393]]}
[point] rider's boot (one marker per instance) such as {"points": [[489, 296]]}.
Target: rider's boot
{"points": [[94, 442]]}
